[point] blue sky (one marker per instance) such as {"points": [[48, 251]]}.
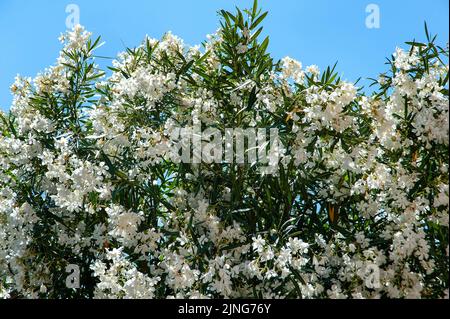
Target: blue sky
{"points": [[315, 32]]}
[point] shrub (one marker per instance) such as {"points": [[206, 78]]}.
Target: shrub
{"points": [[352, 202]]}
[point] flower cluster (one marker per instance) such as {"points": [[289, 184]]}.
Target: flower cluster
{"points": [[356, 208]]}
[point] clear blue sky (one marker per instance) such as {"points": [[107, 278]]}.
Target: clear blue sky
{"points": [[315, 32]]}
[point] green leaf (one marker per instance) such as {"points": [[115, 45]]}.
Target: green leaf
{"points": [[258, 21], [255, 9], [264, 45]]}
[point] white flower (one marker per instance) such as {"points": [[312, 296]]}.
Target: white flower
{"points": [[241, 48]]}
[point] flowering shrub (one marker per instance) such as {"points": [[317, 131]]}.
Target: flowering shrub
{"points": [[354, 204]]}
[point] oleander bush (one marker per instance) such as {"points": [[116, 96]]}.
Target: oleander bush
{"points": [[352, 203]]}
